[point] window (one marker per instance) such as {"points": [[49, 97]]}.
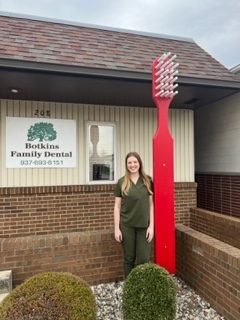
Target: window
{"points": [[100, 152]]}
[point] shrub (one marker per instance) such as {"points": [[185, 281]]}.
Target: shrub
{"points": [[50, 295], [149, 293]]}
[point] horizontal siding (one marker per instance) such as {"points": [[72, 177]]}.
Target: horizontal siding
{"points": [[217, 137], [182, 128], [135, 128]]}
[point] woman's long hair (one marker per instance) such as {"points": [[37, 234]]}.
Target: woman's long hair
{"points": [[127, 177]]}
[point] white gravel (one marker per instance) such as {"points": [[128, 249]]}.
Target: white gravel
{"points": [[189, 304]]}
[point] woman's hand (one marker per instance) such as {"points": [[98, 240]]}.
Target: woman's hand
{"points": [[149, 234], [150, 229], [118, 235], [117, 231]]}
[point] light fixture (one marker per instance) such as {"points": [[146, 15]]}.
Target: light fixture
{"points": [[14, 90]]}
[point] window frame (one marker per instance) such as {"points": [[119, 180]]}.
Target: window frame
{"points": [[100, 123]]}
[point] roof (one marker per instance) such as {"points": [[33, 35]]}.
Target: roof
{"points": [[56, 42], [236, 70]]}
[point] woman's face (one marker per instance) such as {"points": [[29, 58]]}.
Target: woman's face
{"points": [[133, 164]]}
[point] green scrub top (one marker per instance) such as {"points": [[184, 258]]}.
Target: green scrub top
{"points": [[135, 206]]}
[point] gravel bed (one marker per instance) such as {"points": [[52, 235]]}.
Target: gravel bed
{"points": [[189, 304]]}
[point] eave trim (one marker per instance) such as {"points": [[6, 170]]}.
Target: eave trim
{"points": [[105, 73]]}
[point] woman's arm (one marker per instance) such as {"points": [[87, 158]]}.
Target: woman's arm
{"points": [[117, 231], [150, 229]]}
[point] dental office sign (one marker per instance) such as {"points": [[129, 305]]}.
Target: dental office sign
{"points": [[40, 143]]}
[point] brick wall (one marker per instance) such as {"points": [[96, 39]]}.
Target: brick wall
{"points": [[219, 226], [94, 256], [211, 267], [185, 198], [46, 210], [219, 193], [38, 227]]}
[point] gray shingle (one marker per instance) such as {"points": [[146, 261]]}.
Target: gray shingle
{"points": [[53, 42]]}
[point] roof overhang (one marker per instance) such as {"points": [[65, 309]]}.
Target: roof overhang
{"points": [[73, 84]]}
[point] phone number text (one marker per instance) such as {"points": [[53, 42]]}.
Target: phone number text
{"points": [[41, 163]]}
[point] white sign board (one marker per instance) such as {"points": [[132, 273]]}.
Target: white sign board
{"points": [[40, 143]]}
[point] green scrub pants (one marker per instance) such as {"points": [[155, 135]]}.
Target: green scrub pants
{"points": [[136, 249]]}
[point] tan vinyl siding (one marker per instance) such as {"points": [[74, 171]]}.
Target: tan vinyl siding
{"points": [[217, 136], [182, 128], [135, 128]]}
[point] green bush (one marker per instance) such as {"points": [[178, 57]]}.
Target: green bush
{"points": [[50, 295], [149, 293]]}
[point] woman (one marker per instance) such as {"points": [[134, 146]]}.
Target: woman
{"points": [[133, 213]]}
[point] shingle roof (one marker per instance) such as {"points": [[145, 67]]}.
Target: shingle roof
{"points": [[35, 40]]}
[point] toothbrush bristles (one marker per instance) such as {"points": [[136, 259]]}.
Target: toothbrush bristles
{"points": [[165, 76]]}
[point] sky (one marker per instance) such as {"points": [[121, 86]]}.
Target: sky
{"points": [[212, 24]]}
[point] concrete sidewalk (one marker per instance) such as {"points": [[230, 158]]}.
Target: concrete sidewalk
{"points": [[5, 283]]}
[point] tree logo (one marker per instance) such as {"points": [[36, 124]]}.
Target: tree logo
{"points": [[43, 131]]}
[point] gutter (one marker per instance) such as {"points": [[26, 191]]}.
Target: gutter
{"points": [[41, 67]]}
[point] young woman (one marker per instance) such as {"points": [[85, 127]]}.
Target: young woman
{"points": [[133, 213]]}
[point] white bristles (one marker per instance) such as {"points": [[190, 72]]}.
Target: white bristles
{"points": [[174, 94], [164, 64], [164, 86], [164, 56], [165, 94], [158, 94], [158, 79], [175, 86], [162, 72], [173, 79], [174, 73], [175, 66], [165, 76]]}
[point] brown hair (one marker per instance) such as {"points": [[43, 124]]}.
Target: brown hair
{"points": [[127, 180]]}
